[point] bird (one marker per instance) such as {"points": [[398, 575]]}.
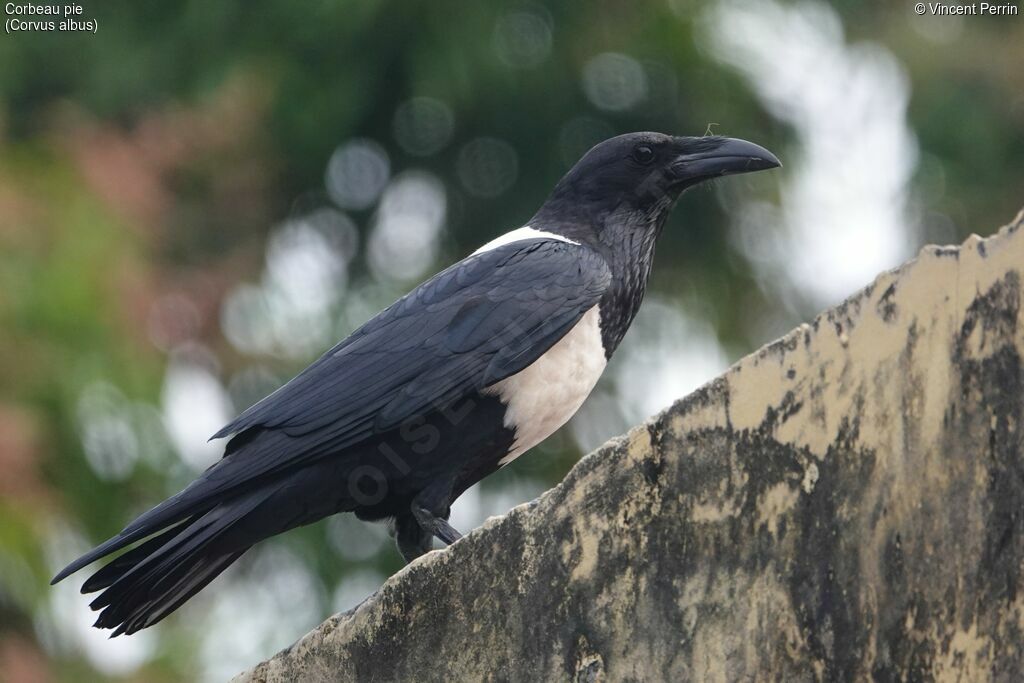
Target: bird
{"points": [[450, 383]]}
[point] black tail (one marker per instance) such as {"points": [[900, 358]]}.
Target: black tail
{"points": [[152, 580], [177, 559]]}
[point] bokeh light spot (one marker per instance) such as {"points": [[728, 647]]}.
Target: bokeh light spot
{"points": [[522, 38], [357, 173], [614, 82], [405, 237], [487, 167], [107, 432], [423, 125]]}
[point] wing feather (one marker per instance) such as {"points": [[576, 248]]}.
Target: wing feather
{"points": [[489, 316]]}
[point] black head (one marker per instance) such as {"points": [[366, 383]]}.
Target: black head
{"points": [[617, 197], [640, 175]]}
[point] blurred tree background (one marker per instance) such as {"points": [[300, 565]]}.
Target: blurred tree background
{"points": [[201, 197]]}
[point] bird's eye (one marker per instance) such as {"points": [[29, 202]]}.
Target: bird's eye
{"points": [[643, 155]]}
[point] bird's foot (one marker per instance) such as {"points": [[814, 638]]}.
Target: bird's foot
{"points": [[414, 532], [435, 524]]}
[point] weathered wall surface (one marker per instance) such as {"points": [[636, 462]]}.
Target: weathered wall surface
{"points": [[846, 502]]}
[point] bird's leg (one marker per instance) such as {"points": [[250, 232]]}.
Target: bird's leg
{"points": [[412, 539], [431, 509]]}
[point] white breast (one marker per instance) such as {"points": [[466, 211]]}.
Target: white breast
{"points": [[542, 397]]}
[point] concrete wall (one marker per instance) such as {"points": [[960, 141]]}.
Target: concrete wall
{"points": [[846, 502]]}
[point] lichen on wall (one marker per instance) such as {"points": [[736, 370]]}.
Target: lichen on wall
{"points": [[844, 503]]}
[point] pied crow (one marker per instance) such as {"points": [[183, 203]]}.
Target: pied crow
{"points": [[454, 380]]}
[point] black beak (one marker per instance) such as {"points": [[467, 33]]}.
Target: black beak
{"points": [[728, 157]]}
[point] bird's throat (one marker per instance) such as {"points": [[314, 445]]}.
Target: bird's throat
{"points": [[630, 259]]}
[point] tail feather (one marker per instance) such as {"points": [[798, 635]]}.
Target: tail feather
{"points": [[145, 525], [199, 497], [122, 540], [149, 582], [113, 570], [148, 612], [183, 548]]}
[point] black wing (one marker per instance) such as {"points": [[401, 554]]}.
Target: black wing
{"points": [[479, 321], [474, 324]]}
